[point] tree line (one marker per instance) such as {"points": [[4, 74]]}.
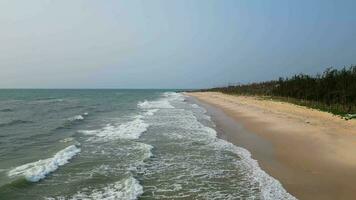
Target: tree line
{"points": [[334, 90]]}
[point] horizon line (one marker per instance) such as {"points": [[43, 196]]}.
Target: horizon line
{"points": [[19, 88]]}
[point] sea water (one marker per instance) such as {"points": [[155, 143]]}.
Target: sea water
{"points": [[120, 144]]}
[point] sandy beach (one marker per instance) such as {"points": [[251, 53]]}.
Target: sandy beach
{"points": [[312, 153]]}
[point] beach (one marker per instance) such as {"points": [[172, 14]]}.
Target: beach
{"points": [[312, 153]]}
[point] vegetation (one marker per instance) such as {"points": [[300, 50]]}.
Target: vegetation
{"points": [[333, 91]]}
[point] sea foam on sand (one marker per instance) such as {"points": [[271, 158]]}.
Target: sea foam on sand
{"points": [[270, 188]]}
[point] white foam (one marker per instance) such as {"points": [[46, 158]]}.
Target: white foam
{"points": [[147, 150], [65, 140], [195, 106], [38, 170], [49, 100], [210, 131], [174, 96], [163, 103], [75, 118], [201, 109], [128, 189], [151, 112], [270, 188], [129, 130]]}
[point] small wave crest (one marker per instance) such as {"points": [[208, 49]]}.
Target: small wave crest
{"points": [[195, 106], [151, 112], [129, 189], [15, 122], [174, 96], [66, 140], [76, 118], [47, 100], [147, 150], [163, 103], [6, 110], [72, 121], [3, 170], [38, 170]]}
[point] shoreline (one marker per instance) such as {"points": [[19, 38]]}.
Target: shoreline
{"points": [[311, 153]]}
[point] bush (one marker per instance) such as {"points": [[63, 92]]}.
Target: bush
{"points": [[333, 91]]}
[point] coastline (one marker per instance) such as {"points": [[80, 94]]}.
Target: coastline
{"points": [[310, 152]]}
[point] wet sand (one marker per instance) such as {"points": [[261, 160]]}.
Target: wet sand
{"points": [[312, 153]]}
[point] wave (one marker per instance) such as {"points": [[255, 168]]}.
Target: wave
{"points": [[151, 112], [174, 96], [270, 187], [6, 110], [163, 102], [3, 170], [38, 170], [195, 106], [155, 104], [45, 98], [76, 118], [66, 140], [73, 107], [202, 110], [202, 135], [129, 130], [72, 121], [128, 189], [15, 122], [147, 150], [48, 100]]}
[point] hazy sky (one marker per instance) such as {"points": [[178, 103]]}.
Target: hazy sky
{"points": [[170, 44]]}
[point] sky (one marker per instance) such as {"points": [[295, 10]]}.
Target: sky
{"points": [[170, 44]]}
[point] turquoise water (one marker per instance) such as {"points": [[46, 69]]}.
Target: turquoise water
{"points": [[120, 144]]}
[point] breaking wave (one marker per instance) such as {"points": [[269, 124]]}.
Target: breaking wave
{"points": [[76, 118], [72, 121], [186, 128], [38, 170], [151, 112], [155, 104], [270, 188], [129, 130]]}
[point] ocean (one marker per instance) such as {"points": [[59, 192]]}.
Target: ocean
{"points": [[120, 144]]}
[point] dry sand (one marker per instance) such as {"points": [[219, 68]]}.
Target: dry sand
{"points": [[312, 153]]}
